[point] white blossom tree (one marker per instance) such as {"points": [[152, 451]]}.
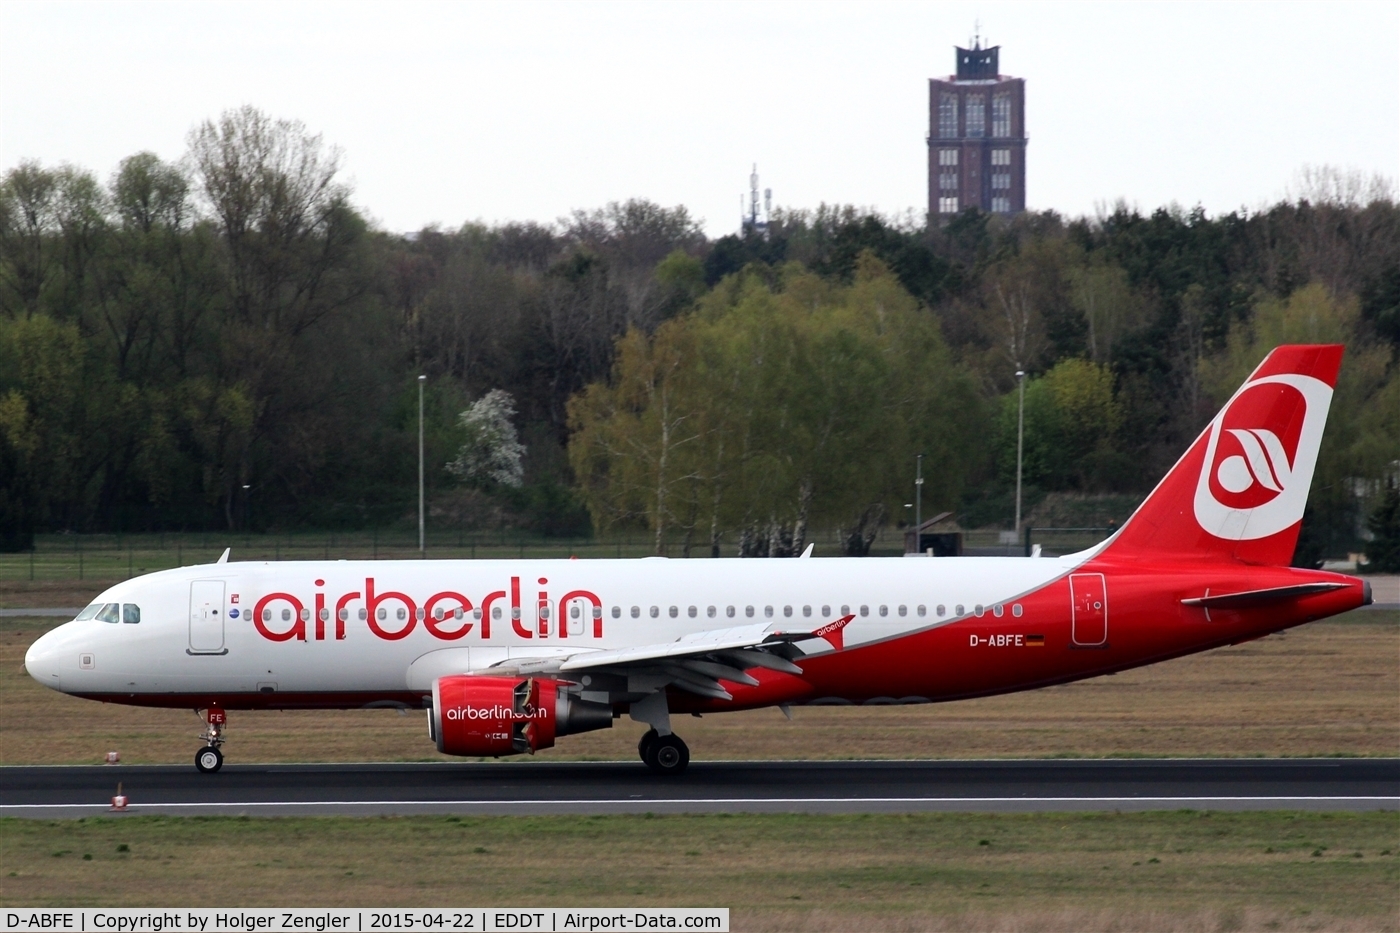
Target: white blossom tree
{"points": [[492, 453]]}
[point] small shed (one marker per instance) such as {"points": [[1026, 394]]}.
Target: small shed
{"points": [[939, 536]]}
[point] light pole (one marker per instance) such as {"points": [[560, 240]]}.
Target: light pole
{"points": [[1020, 437], [422, 543], [247, 507], [919, 503]]}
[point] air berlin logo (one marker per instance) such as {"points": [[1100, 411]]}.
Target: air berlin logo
{"points": [[1250, 486]]}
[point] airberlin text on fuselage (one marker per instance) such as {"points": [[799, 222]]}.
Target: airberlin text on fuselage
{"points": [[448, 615]]}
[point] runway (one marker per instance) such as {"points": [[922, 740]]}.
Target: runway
{"points": [[538, 787]]}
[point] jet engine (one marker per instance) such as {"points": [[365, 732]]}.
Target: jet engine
{"points": [[476, 715]]}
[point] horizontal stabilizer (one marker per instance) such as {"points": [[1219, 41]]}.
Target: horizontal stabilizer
{"points": [[1252, 598]]}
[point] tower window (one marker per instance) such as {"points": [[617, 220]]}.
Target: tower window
{"points": [[948, 181], [1001, 115], [1001, 180], [948, 116], [1001, 156], [1001, 205], [947, 205], [948, 156], [976, 115]]}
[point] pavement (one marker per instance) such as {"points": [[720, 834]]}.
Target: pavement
{"points": [[542, 787]]}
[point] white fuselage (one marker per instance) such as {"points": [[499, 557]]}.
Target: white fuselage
{"points": [[335, 644]]}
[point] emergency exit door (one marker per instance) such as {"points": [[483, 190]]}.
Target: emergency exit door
{"points": [[1088, 596], [207, 617]]}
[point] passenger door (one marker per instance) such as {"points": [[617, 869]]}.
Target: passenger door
{"points": [[1088, 596], [207, 617]]}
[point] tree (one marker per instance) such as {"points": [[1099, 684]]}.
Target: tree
{"points": [[770, 408], [492, 452], [1383, 550]]}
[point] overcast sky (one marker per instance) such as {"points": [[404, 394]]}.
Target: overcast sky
{"points": [[453, 112]]}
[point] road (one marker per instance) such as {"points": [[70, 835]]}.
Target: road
{"points": [[538, 787]]}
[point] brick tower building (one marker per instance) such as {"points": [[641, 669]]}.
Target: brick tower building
{"points": [[976, 138]]}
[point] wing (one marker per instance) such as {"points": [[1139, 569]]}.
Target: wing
{"points": [[696, 662]]}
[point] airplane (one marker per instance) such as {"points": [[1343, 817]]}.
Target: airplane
{"points": [[507, 656]]}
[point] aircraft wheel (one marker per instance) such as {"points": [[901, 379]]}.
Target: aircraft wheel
{"points": [[208, 759], [644, 745], [667, 754]]}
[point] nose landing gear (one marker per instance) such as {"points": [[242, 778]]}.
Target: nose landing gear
{"points": [[209, 759]]}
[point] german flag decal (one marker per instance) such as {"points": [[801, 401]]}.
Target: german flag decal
{"points": [[1035, 641]]}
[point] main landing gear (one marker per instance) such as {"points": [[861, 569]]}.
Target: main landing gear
{"points": [[209, 759], [664, 754]]}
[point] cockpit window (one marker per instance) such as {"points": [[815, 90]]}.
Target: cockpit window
{"points": [[131, 613], [110, 613], [89, 612]]}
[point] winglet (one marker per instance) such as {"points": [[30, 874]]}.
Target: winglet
{"points": [[223, 558], [831, 631], [808, 552]]}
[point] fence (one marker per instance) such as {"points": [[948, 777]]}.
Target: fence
{"points": [[118, 557]]}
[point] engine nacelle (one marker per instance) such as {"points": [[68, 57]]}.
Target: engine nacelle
{"points": [[477, 715]]}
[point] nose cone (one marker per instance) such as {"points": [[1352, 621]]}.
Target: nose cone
{"points": [[42, 660]]}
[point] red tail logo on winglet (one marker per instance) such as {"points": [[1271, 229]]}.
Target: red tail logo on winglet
{"points": [[1239, 491], [831, 631]]}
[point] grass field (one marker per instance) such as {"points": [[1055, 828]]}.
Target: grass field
{"points": [[1330, 688], [1143, 871]]}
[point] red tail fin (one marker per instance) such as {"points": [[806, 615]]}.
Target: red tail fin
{"points": [[1239, 491]]}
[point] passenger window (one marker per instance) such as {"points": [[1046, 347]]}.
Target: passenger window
{"points": [[419, 614], [977, 610], [884, 610], [496, 613], [131, 613], [996, 611], [807, 610], [923, 612], [636, 612], [365, 615], [617, 612], [940, 610], [88, 613], [865, 610], [826, 612], [903, 610], [287, 615], [110, 613], [306, 615], [748, 611], [655, 612], [1016, 610], [382, 613], [710, 611], [692, 612], [325, 614], [673, 611], [402, 613], [845, 610], [729, 611], [787, 610], [958, 609], [343, 615], [768, 611]]}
